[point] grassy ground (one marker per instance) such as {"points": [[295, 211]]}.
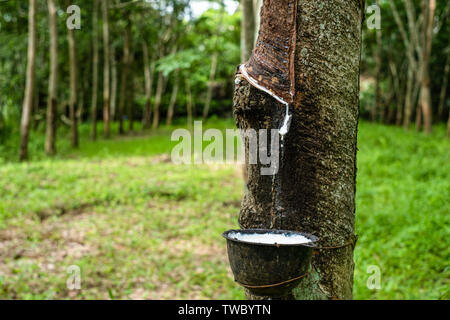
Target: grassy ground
{"points": [[139, 226]]}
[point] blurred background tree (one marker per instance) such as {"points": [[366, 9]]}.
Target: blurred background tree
{"points": [[176, 58]]}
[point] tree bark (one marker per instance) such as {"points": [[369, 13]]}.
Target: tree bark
{"points": [[314, 189], [95, 40], [29, 86], [106, 89], [173, 98], [50, 133], [73, 99]]}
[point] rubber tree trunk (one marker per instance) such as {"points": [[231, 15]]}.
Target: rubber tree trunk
{"points": [[425, 93], [130, 99], [448, 125], [316, 185], [377, 111], [247, 29], [159, 93], [189, 102], [95, 40], [124, 75], [256, 12], [149, 70], [106, 89], [173, 98], [29, 85], [443, 93], [214, 60], [113, 103], [73, 99], [50, 133]]}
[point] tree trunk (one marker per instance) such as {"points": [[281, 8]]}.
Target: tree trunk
{"points": [[50, 133], [443, 93], [448, 125], [29, 86], [188, 102], [418, 117], [314, 189], [113, 84], [408, 97], [247, 29], [256, 11], [149, 69], [95, 40], [173, 99], [73, 99], [425, 94], [106, 89], [124, 76], [212, 74], [131, 97], [377, 110], [159, 92]]}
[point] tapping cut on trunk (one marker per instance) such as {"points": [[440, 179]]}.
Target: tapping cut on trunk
{"points": [[271, 65]]}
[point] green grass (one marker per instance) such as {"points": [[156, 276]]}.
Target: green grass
{"points": [[139, 226]]}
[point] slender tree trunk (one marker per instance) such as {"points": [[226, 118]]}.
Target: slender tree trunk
{"points": [[411, 43], [314, 189], [159, 92], [73, 99], [247, 29], [443, 93], [173, 98], [256, 12], [448, 125], [95, 40], [418, 117], [106, 89], [397, 94], [212, 74], [131, 97], [425, 94], [113, 84], [124, 76], [408, 98], [149, 69], [50, 133], [377, 110], [188, 102], [29, 86]]}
